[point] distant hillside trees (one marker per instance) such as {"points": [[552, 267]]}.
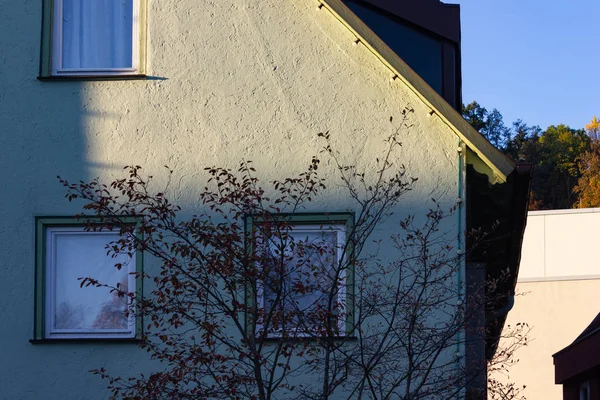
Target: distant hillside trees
{"points": [[567, 160], [588, 185], [489, 123]]}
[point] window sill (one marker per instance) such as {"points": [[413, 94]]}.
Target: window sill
{"points": [[132, 77], [87, 340]]}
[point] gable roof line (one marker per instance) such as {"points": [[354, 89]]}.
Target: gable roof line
{"points": [[592, 329], [491, 156]]}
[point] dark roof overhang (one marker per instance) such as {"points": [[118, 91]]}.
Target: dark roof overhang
{"points": [[504, 207], [432, 15], [580, 356]]}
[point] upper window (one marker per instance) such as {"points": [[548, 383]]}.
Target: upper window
{"points": [[92, 38], [305, 273], [66, 309]]}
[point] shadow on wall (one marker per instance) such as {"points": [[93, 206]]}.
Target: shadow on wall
{"points": [[42, 135]]}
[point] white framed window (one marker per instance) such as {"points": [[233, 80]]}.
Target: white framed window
{"points": [[306, 271], [66, 309], [92, 38]]}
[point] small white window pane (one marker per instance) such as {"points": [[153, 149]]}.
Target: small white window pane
{"points": [[312, 264], [311, 268], [97, 34], [74, 309]]}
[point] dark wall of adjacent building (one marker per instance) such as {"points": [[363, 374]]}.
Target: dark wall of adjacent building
{"points": [[572, 389]]}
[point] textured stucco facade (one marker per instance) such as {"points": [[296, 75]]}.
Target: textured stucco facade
{"points": [[230, 80], [559, 293]]}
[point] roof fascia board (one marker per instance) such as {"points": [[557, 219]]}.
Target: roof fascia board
{"points": [[491, 156]]}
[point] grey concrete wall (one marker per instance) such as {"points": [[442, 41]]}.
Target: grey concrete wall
{"points": [[232, 80]]}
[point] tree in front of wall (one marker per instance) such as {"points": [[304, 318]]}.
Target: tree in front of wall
{"points": [[500, 387], [247, 303]]}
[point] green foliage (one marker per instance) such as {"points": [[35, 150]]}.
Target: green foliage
{"points": [[558, 152], [563, 147], [523, 143], [489, 124], [561, 155]]}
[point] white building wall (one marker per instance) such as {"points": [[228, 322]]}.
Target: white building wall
{"points": [[558, 292], [230, 80]]}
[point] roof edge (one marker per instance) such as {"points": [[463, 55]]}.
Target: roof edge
{"points": [[592, 329], [579, 357], [498, 162], [518, 198]]}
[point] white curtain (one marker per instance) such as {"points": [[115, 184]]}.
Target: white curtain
{"points": [[97, 34]]}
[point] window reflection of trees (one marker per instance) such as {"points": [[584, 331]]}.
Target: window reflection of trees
{"points": [[113, 313]]}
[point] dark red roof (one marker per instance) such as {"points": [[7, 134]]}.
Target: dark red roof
{"points": [[590, 330], [580, 356]]}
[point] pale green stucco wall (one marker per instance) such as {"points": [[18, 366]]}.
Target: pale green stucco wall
{"points": [[233, 80]]}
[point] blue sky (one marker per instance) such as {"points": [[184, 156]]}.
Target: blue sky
{"points": [[532, 59]]}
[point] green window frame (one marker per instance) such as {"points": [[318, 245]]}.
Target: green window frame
{"points": [[335, 221], [57, 256], [49, 49]]}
